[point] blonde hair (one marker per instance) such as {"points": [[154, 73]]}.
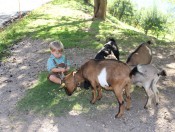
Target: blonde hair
{"points": [[55, 45]]}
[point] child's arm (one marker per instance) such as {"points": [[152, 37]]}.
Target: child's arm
{"points": [[58, 69]]}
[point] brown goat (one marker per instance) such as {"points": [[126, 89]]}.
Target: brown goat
{"points": [[142, 55], [109, 74]]}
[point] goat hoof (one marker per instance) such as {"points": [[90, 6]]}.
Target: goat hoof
{"points": [[92, 102], [118, 115], [127, 108], [157, 104], [145, 107], [98, 98]]}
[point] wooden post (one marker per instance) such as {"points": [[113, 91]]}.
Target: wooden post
{"points": [[19, 9]]}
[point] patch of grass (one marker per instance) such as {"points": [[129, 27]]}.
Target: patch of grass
{"points": [[48, 99]]}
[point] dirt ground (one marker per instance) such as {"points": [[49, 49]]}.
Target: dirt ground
{"points": [[28, 58]]}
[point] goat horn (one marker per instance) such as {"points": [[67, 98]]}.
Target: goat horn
{"points": [[73, 73]]}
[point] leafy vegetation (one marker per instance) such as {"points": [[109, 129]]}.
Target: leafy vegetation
{"points": [[154, 22], [122, 9], [150, 19]]}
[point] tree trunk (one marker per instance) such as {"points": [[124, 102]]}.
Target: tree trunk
{"points": [[100, 9]]}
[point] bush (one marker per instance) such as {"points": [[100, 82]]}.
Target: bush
{"points": [[122, 9], [154, 21]]}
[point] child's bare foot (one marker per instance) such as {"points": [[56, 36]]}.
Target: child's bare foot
{"points": [[62, 85]]}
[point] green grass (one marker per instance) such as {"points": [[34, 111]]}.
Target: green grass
{"points": [[48, 99], [73, 26]]}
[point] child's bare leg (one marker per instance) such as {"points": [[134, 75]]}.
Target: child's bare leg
{"points": [[54, 79]]}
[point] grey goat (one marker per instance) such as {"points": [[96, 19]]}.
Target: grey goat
{"points": [[147, 77]]}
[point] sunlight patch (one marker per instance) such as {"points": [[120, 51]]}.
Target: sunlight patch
{"points": [[160, 56], [23, 67], [171, 65], [143, 119], [102, 107], [164, 117], [74, 112], [21, 76], [41, 22], [60, 11], [77, 107], [77, 110]]}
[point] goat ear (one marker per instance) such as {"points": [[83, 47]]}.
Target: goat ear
{"points": [[107, 52]]}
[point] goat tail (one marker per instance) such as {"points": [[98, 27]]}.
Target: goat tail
{"points": [[162, 73]]}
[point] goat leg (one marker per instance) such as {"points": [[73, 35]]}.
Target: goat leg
{"points": [[157, 98], [121, 109], [156, 91], [149, 98], [94, 98], [99, 90], [128, 97], [119, 96], [94, 90]]}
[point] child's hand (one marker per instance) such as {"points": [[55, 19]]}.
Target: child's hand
{"points": [[67, 69], [62, 69]]}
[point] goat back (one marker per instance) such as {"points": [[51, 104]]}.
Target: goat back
{"points": [[114, 68], [142, 55], [146, 70]]}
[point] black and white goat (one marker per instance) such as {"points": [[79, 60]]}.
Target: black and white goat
{"points": [[109, 47], [147, 76]]}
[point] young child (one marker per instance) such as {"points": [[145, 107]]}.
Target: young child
{"points": [[57, 64]]}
